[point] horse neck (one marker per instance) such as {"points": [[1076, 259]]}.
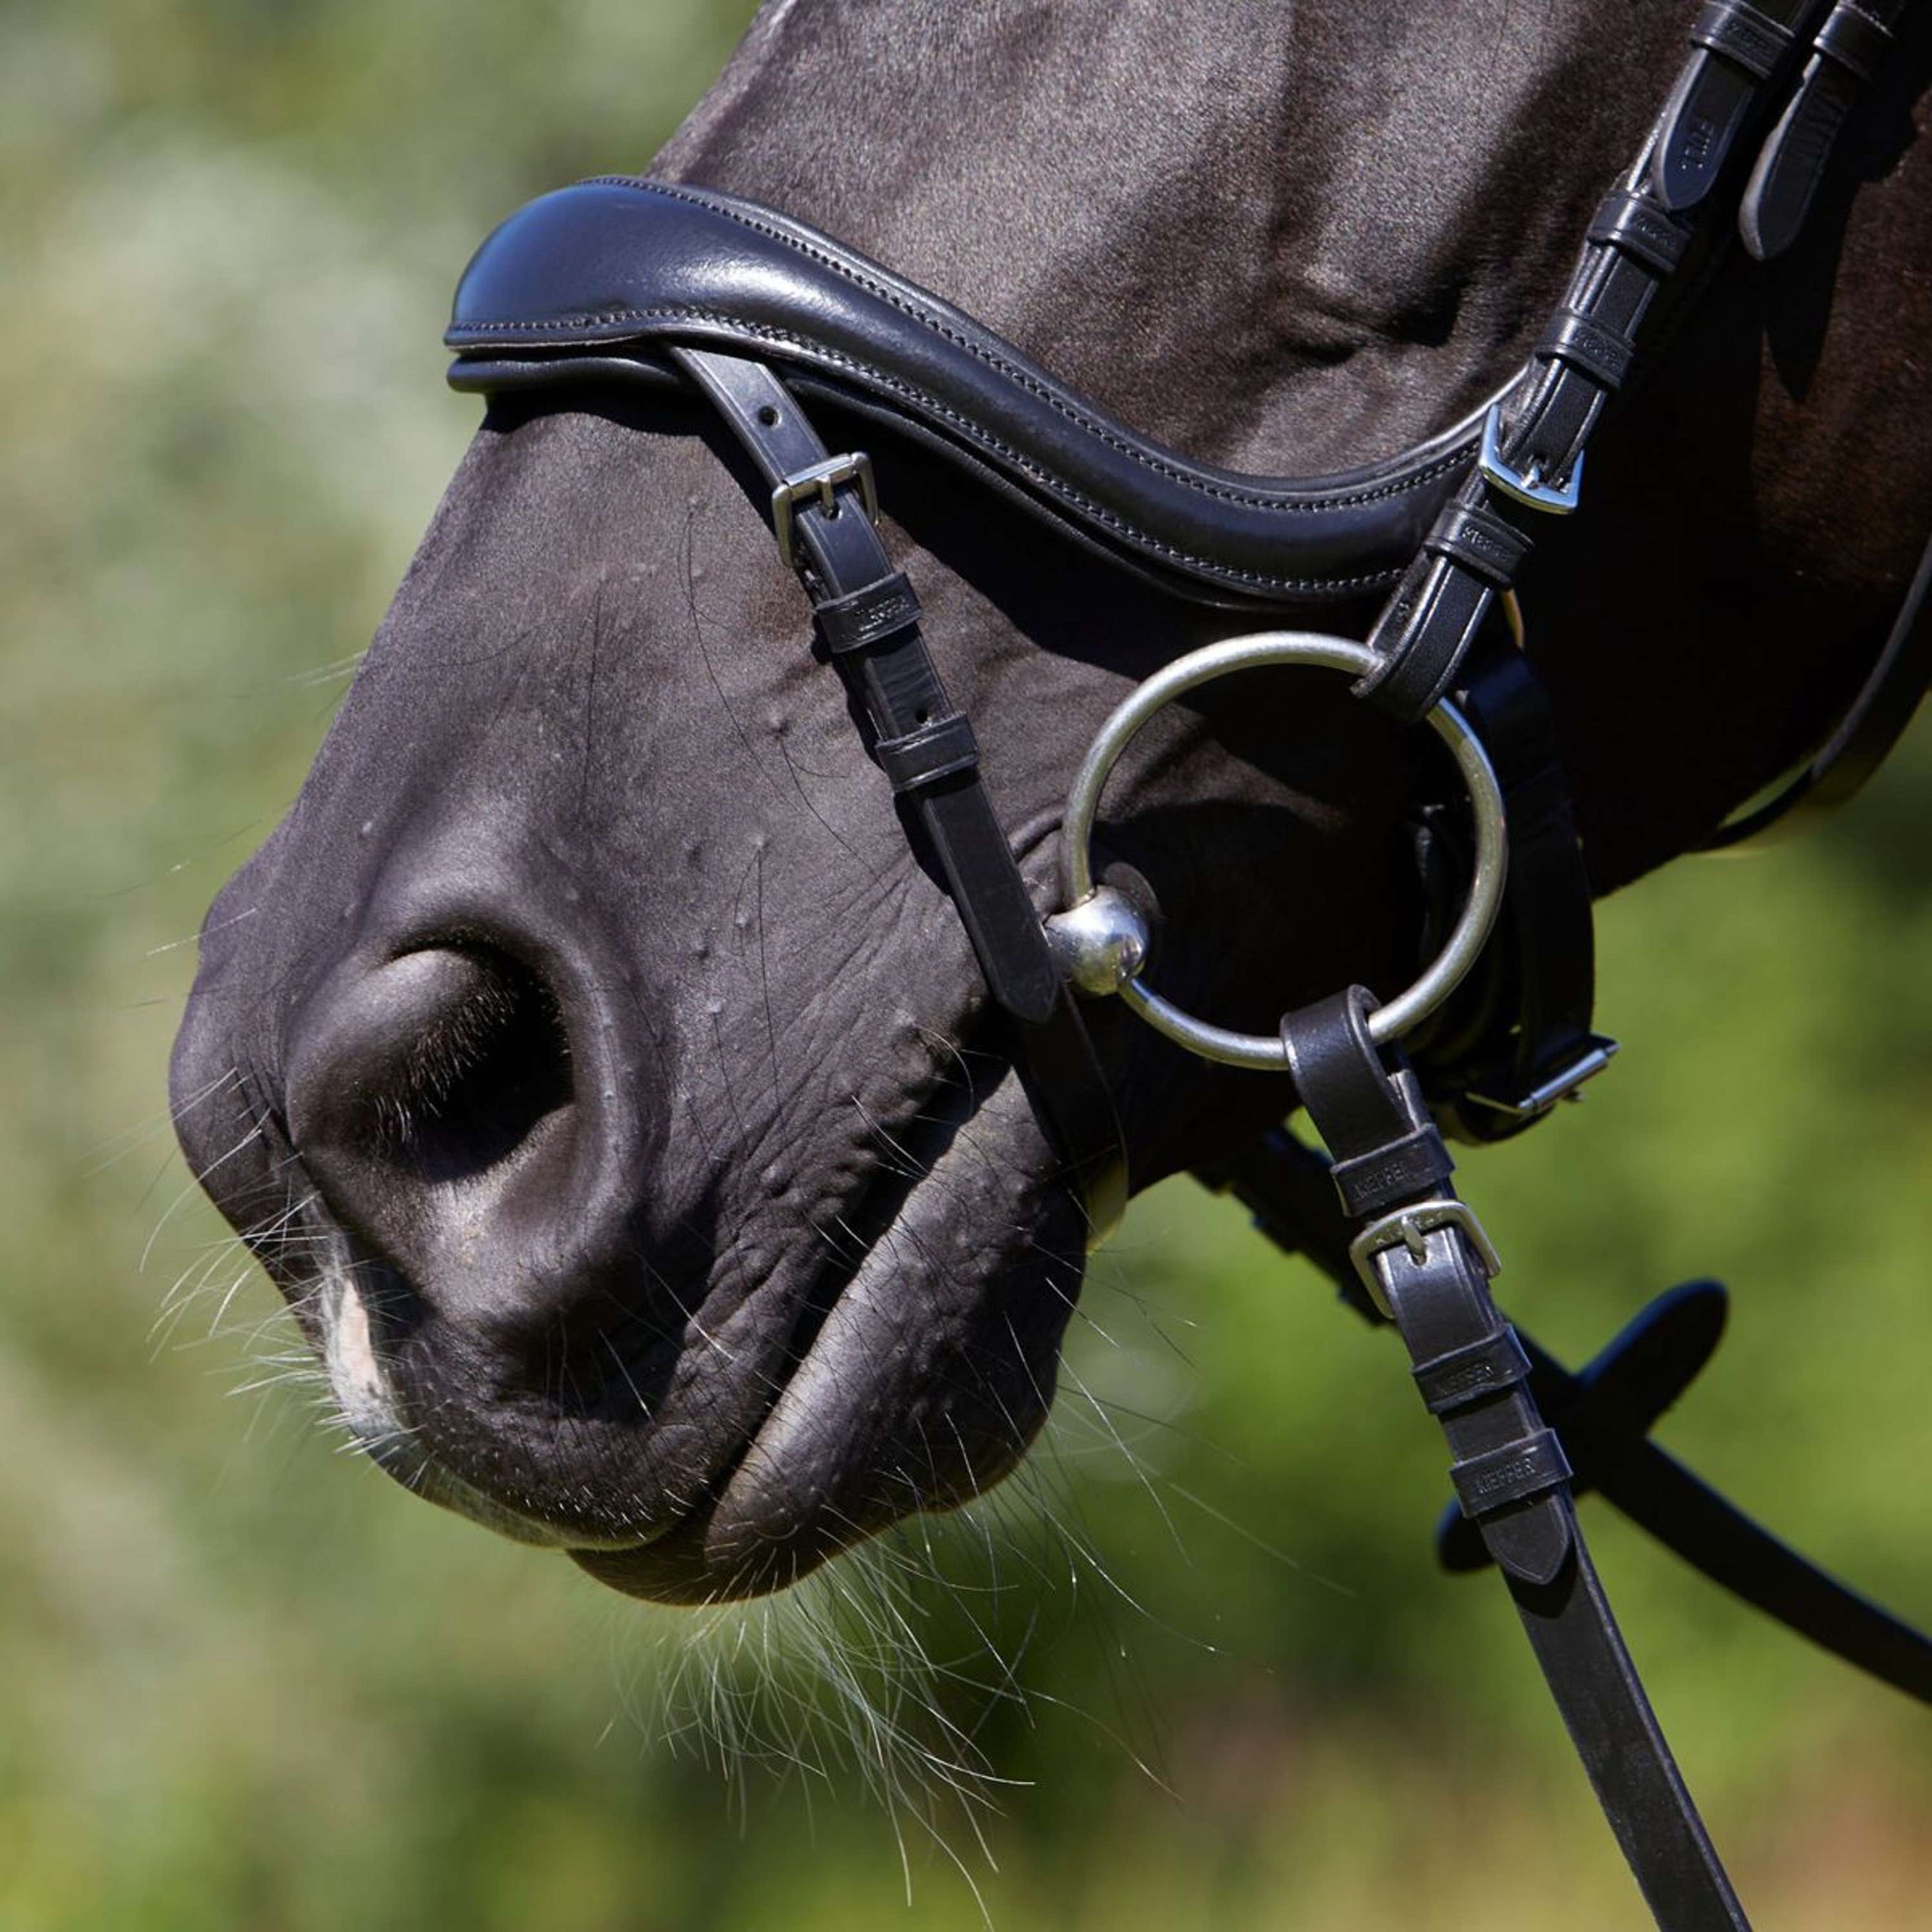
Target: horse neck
{"points": [[1211, 219]]}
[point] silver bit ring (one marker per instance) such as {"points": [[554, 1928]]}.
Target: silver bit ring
{"points": [[1264, 1052]]}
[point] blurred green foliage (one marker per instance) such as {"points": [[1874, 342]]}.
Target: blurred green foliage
{"points": [[251, 1684]]}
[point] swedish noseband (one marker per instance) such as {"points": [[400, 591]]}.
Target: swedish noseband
{"points": [[637, 282]]}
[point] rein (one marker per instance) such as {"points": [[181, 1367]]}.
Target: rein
{"points": [[637, 282]]}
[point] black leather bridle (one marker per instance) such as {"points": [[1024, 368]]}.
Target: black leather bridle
{"points": [[630, 281]]}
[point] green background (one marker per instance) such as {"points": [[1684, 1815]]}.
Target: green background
{"points": [[1194, 1667]]}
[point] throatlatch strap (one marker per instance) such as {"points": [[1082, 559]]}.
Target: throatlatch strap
{"points": [[1424, 1259], [869, 617], [1863, 737]]}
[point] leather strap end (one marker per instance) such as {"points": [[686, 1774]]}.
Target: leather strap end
{"points": [[1512, 1473], [1778, 200], [1696, 130], [1784, 184], [1530, 1544]]}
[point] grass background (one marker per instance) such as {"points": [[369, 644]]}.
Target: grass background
{"points": [[249, 1684]]}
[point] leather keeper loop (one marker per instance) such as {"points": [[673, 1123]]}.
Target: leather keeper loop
{"points": [[867, 616], [1480, 541], [1512, 1473], [1371, 1183], [1741, 34], [1636, 226], [934, 751], [1469, 1374], [1339, 1076], [1428, 629], [1589, 346], [1852, 38]]}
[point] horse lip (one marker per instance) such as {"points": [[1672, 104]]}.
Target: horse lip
{"points": [[779, 1502], [882, 1199], [340, 1320], [369, 1411], [355, 1373]]}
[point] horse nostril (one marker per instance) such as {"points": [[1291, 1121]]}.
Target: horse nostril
{"points": [[442, 1062], [485, 1073]]}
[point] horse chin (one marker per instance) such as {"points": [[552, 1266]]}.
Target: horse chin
{"points": [[931, 1373], [920, 1377]]}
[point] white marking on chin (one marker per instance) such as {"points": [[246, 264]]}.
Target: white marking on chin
{"points": [[353, 1370], [368, 1406]]}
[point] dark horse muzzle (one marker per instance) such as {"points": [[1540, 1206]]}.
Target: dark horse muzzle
{"points": [[492, 1054]]}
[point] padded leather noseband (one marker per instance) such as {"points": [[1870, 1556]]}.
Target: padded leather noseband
{"points": [[633, 267]]}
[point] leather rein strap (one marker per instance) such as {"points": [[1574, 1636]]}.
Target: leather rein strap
{"points": [[1427, 1264]]}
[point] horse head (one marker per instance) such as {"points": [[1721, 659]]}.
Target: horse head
{"points": [[598, 1067]]}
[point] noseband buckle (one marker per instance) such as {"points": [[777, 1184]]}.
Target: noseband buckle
{"points": [[818, 482]]}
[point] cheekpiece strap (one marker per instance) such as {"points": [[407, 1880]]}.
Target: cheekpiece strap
{"points": [[1530, 465], [824, 510]]}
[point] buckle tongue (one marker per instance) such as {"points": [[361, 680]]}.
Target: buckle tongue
{"points": [[816, 483], [1526, 486], [1562, 1085], [1406, 1228]]}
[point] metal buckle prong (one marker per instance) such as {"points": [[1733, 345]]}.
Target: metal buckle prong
{"points": [[819, 481], [1562, 1085], [1526, 486], [1406, 1228]]}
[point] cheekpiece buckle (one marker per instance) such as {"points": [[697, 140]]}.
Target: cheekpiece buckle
{"points": [[1526, 486], [1406, 1228], [818, 482]]}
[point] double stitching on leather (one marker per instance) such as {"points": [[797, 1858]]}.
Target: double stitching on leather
{"points": [[867, 616], [1020, 378], [932, 752], [1740, 33], [1064, 496], [492, 307]]}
